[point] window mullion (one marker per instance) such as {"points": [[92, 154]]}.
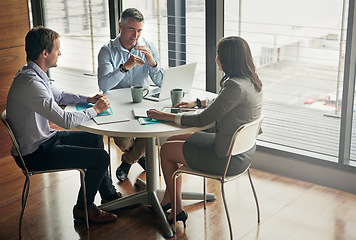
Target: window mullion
{"points": [[348, 88]]}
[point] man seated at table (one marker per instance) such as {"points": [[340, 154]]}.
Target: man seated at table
{"points": [[33, 101], [126, 61]]}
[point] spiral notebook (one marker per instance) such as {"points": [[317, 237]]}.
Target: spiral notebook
{"points": [[105, 117]]}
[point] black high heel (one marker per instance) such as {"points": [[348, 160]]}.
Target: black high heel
{"points": [[182, 216]]}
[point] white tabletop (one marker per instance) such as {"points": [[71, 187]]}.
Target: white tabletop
{"points": [[121, 103]]}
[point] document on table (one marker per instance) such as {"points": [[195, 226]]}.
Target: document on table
{"points": [[105, 117], [140, 112], [113, 118]]}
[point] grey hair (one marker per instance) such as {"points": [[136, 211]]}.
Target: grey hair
{"points": [[131, 13]]}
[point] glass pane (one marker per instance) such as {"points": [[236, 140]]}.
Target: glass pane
{"points": [[84, 28], [195, 25], [156, 30], [298, 49]]}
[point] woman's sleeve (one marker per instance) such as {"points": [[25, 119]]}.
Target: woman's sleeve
{"points": [[229, 97]]}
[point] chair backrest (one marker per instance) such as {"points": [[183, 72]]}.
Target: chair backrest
{"points": [[13, 139], [243, 139], [245, 136]]}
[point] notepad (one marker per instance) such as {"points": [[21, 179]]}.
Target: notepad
{"points": [[146, 121], [180, 110], [105, 117], [140, 112], [114, 118], [89, 105]]}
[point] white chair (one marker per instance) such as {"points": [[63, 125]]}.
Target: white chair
{"points": [[243, 139], [28, 174]]}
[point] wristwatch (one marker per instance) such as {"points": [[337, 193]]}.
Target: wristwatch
{"points": [[198, 103], [123, 69]]}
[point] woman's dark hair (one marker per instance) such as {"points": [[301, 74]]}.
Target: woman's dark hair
{"points": [[38, 39], [236, 60]]}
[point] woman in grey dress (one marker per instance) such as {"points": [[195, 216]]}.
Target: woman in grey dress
{"points": [[238, 102]]}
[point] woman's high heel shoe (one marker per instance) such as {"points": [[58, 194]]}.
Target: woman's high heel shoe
{"points": [[182, 216]]}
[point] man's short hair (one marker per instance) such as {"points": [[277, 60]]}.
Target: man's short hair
{"points": [[131, 13], [38, 39]]}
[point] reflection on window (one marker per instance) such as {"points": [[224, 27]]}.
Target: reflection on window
{"points": [[156, 30], [84, 28], [298, 49]]}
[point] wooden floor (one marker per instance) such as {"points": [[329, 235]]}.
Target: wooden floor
{"points": [[290, 209]]}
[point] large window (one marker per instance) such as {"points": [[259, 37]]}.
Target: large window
{"points": [[84, 28], [298, 48]]}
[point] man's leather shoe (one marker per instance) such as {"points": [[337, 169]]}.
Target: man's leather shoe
{"points": [[122, 171], [95, 215], [119, 195]]}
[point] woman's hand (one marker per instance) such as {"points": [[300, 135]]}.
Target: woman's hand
{"points": [[156, 114], [185, 105]]}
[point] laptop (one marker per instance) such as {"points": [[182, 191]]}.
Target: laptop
{"points": [[174, 77]]}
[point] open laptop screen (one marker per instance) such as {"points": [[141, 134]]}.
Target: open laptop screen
{"points": [[175, 77]]}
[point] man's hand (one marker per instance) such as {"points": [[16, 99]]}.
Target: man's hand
{"points": [[102, 104], [95, 98], [148, 55], [132, 61]]}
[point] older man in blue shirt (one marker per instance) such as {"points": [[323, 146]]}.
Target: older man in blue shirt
{"points": [[33, 101], [128, 61]]}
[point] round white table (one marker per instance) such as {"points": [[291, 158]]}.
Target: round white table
{"points": [[121, 104]]}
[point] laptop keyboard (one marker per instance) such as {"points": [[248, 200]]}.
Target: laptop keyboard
{"points": [[155, 95]]}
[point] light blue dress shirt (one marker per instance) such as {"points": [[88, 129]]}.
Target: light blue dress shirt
{"points": [[32, 101], [113, 54]]}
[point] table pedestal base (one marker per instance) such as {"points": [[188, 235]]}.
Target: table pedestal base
{"points": [[210, 197], [143, 197]]}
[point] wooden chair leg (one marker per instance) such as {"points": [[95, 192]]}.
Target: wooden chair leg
{"points": [[255, 195]]}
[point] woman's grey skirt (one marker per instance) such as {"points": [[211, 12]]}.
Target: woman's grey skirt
{"points": [[199, 153]]}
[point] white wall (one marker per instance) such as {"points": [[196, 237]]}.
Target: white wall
{"points": [[329, 177]]}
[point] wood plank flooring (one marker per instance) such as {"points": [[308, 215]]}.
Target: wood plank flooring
{"points": [[290, 209]]}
